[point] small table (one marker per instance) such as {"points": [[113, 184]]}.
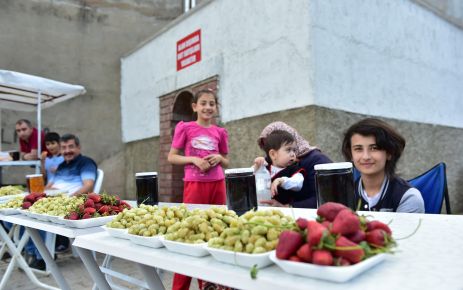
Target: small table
{"points": [[430, 259], [35, 163], [32, 226]]}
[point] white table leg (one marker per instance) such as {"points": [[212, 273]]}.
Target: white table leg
{"points": [[151, 277], [50, 262], [93, 269], [16, 256]]}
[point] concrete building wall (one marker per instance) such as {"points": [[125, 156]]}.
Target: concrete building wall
{"points": [[79, 42]]}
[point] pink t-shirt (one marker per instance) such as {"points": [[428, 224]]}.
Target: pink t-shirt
{"points": [[199, 141]]}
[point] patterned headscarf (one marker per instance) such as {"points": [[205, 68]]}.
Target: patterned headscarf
{"points": [[302, 145]]}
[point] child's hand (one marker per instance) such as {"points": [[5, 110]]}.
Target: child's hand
{"points": [[258, 162], [202, 164], [274, 188], [213, 159], [44, 155]]}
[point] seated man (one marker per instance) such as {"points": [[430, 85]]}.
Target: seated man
{"points": [[28, 137], [77, 173]]}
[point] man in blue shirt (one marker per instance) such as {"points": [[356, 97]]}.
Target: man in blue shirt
{"points": [[77, 173]]}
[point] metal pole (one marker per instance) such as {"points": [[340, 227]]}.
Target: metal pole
{"points": [[39, 129]]}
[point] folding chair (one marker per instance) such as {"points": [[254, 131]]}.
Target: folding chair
{"points": [[433, 187]]}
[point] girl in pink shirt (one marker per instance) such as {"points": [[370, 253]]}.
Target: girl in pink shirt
{"points": [[205, 149]]}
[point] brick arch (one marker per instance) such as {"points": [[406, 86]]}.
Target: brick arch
{"points": [[176, 107]]}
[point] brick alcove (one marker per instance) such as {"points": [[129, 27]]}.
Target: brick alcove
{"points": [[176, 107]]}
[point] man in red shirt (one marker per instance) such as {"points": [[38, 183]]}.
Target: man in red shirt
{"points": [[28, 144]]}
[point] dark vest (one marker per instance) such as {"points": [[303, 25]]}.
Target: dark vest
{"points": [[287, 196], [390, 199]]}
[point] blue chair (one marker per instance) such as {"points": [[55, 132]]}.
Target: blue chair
{"points": [[433, 187]]}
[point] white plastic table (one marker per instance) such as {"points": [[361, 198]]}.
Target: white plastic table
{"points": [[430, 259], [32, 226], [35, 163]]}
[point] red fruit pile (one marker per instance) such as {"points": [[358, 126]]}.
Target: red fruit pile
{"points": [[339, 237], [31, 198], [96, 205]]}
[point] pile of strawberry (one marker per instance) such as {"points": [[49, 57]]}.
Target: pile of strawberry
{"points": [[96, 205], [339, 237], [31, 198]]}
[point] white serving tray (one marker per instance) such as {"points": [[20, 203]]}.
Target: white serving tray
{"points": [[195, 250], [6, 198], [241, 259], [86, 223], [152, 242], [9, 211], [329, 273], [117, 233]]}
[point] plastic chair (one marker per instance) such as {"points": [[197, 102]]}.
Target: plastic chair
{"points": [[433, 187], [98, 181]]}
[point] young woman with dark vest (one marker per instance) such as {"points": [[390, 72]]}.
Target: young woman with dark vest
{"points": [[374, 147]]}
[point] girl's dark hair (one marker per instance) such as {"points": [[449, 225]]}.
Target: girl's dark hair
{"points": [[203, 92], [276, 139], [387, 138], [52, 137]]}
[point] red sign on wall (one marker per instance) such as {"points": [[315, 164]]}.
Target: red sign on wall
{"points": [[189, 50]]}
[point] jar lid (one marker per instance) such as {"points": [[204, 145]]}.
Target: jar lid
{"points": [[239, 170], [333, 166], [146, 173]]}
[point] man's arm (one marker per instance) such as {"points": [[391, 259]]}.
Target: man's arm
{"points": [[86, 188], [29, 156]]}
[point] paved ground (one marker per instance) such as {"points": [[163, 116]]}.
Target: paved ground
{"points": [[77, 276]]}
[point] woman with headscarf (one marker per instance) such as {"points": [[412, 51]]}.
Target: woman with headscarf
{"points": [[308, 156]]}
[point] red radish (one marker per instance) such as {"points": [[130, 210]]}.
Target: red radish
{"points": [[315, 232], [357, 237], [288, 243], [322, 257], [352, 251], [305, 253], [295, 259], [373, 225], [330, 210], [301, 223], [345, 223], [377, 238]]}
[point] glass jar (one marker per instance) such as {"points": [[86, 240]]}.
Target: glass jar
{"points": [[241, 189], [147, 188], [335, 183]]}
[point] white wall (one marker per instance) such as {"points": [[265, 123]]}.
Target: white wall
{"points": [[387, 58], [258, 50]]}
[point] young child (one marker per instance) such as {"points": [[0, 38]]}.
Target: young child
{"points": [[51, 160], [286, 174], [205, 149], [375, 147]]}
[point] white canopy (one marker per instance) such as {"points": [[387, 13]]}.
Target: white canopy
{"points": [[23, 92]]}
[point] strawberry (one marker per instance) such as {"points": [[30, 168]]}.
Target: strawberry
{"points": [[378, 238], [322, 257], [327, 224], [295, 259], [86, 216], [315, 232], [357, 237], [329, 210], [73, 216], [89, 210], [95, 197], [378, 225], [288, 243], [349, 250], [346, 222], [115, 209], [104, 209], [26, 204], [30, 198], [301, 223], [340, 261], [80, 209], [305, 253], [98, 205], [89, 203]]}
